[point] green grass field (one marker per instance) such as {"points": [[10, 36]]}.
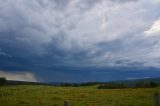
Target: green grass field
{"points": [[38, 95]]}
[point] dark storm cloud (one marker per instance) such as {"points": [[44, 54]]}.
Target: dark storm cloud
{"points": [[73, 38]]}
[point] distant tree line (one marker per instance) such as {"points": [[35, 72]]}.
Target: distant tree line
{"points": [[151, 84], [101, 85], [139, 84], [113, 85], [78, 84]]}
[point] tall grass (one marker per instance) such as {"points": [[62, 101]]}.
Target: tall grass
{"points": [[37, 95]]}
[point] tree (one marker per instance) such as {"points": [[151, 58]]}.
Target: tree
{"points": [[2, 81]]}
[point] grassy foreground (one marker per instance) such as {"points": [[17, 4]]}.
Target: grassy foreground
{"points": [[38, 95]]}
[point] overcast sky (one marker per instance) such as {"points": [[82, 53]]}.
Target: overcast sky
{"points": [[79, 40]]}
